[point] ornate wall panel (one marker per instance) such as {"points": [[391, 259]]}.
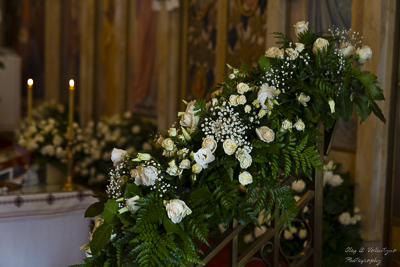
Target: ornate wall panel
{"points": [[246, 32], [200, 44]]}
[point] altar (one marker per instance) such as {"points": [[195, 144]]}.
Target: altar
{"points": [[43, 226]]}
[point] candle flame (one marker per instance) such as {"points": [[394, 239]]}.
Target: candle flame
{"points": [[71, 84], [30, 82]]}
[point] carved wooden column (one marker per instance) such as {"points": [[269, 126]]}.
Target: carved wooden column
{"points": [[52, 41]]}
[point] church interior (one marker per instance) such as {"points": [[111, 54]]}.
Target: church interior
{"points": [[79, 78]]}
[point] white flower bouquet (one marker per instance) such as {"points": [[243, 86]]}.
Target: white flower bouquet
{"points": [[46, 134], [226, 158]]}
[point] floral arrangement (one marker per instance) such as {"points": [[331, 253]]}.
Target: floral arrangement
{"points": [[46, 134], [46, 137], [226, 158], [120, 130]]}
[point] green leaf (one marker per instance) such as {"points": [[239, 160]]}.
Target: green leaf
{"points": [[376, 92], [378, 112], [345, 106], [100, 237], [264, 63], [362, 107], [110, 210], [273, 148], [94, 209], [132, 190], [173, 228], [126, 218], [201, 193]]}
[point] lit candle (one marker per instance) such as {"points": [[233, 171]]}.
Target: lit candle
{"points": [[71, 107], [30, 85]]}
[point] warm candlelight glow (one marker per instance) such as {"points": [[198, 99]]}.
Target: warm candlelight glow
{"points": [[71, 84], [30, 85], [30, 82]]}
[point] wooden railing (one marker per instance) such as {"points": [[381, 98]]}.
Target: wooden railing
{"points": [[267, 247]]}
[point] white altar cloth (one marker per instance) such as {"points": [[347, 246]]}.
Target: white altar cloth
{"points": [[43, 227]]}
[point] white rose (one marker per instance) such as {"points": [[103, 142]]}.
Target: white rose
{"points": [[266, 93], [347, 49], [302, 233], [298, 186], [331, 105], [60, 153], [241, 100], [344, 218], [300, 27], [272, 52], [172, 132], [242, 88], [287, 234], [57, 140], [173, 170], [364, 53], [286, 125], [280, 54], [248, 238], [232, 76], [204, 156], [176, 210], [299, 47], [299, 125], [233, 100], [146, 175], [258, 231], [183, 152], [168, 144], [247, 108], [159, 141], [185, 164], [135, 129], [291, 53], [245, 161], [196, 168], [327, 177], [229, 146], [265, 134], [245, 178], [48, 150], [131, 204], [210, 143], [356, 209], [320, 45], [303, 99], [117, 156], [241, 152], [335, 180], [189, 120], [134, 173]]}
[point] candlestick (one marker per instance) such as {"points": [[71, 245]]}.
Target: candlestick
{"points": [[69, 185], [30, 85], [71, 107]]}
